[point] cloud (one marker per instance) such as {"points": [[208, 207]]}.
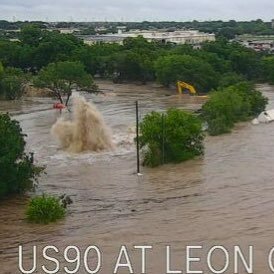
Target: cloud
{"points": [[135, 10]]}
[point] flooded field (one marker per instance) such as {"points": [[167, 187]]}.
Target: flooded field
{"points": [[225, 198]]}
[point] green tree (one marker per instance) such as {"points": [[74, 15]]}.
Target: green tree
{"points": [[246, 62], [228, 105], [131, 65], [253, 97], [229, 79], [228, 32], [222, 110], [268, 69], [62, 77], [30, 35], [88, 58], [9, 53], [12, 83], [17, 170], [242, 60], [1, 70], [54, 47], [174, 136], [136, 42], [171, 68], [11, 88]]}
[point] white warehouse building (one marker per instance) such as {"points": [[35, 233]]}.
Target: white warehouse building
{"points": [[192, 37], [177, 37]]}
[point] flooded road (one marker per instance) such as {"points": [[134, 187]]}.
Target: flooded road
{"points": [[225, 198]]}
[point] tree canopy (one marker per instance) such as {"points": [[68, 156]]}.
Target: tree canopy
{"points": [[231, 104], [174, 136], [62, 77], [12, 81], [18, 172], [171, 68], [138, 59]]}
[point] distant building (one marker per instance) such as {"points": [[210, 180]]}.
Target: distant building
{"points": [[65, 30], [272, 24], [257, 42], [100, 29], [121, 29], [93, 39], [192, 37]]}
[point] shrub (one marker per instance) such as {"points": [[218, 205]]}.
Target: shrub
{"points": [[17, 171], [45, 209], [229, 105], [174, 136]]}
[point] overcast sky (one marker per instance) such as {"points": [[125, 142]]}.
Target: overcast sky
{"points": [[135, 10]]}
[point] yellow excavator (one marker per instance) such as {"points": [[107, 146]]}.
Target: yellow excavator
{"points": [[182, 86]]}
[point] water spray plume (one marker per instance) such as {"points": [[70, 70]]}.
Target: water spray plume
{"points": [[86, 131]]}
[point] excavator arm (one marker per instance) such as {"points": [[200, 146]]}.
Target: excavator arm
{"points": [[182, 86]]}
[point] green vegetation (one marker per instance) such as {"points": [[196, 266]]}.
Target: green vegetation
{"points": [[63, 62], [268, 68], [62, 77], [229, 105], [18, 172], [171, 68], [230, 79], [174, 136], [41, 52], [45, 209], [12, 81], [1, 70], [227, 29]]}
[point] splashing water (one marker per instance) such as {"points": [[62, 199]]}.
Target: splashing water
{"points": [[86, 131]]}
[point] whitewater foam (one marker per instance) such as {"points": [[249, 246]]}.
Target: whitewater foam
{"points": [[86, 131]]}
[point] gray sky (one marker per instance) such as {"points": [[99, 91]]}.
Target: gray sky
{"points": [[135, 10]]}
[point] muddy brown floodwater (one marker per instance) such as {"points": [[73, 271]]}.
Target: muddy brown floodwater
{"points": [[226, 197]]}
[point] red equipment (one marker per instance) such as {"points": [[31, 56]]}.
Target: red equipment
{"points": [[58, 105]]}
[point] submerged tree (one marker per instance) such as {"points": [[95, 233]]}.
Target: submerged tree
{"points": [[232, 104], [174, 136], [62, 77]]}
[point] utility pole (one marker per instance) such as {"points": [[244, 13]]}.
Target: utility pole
{"points": [[163, 138], [137, 138]]}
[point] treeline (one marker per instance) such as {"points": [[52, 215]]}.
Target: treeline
{"points": [[227, 29], [139, 60], [224, 29], [6, 25]]}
